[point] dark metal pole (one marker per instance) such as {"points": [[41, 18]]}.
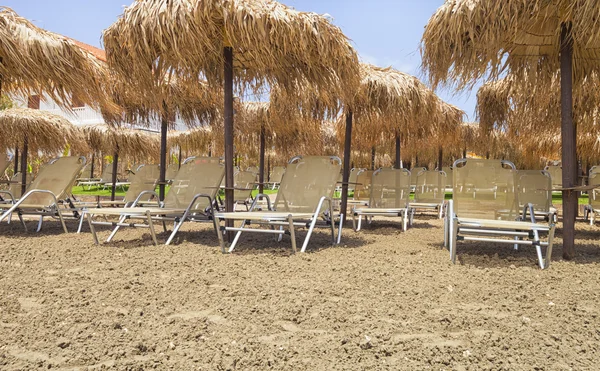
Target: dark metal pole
{"points": [[164, 124], [24, 166], [346, 169], [16, 160], [568, 141], [464, 153], [261, 161], [228, 111], [373, 158], [178, 159], [92, 165], [269, 168], [440, 158], [115, 170], [398, 159]]}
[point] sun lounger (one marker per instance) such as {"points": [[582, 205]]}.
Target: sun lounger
{"points": [[488, 215], [304, 198], [593, 206], [413, 177], [430, 192], [556, 175], [51, 186], [105, 178], [276, 175], [190, 199], [535, 187], [362, 190], [244, 182], [449, 177], [390, 194], [171, 172], [5, 163]]}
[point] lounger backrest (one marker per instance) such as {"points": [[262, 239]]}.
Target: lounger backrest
{"points": [[556, 174], [4, 163], [199, 175], [390, 189], [15, 184], [534, 187], [277, 174], [476, 191], [305, 181], [352, 178], [171, 171], [449, 175], [86, 173], [106, 175], [431, 187], [594, 194], [413, 175], [57, 177], [362, 192], [253, 169], [145, 179], [243, 179]]}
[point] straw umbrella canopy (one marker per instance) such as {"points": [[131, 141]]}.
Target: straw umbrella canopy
{"points": [[263, 41], [467, 40], [33, 61], [121, 142], [45, 132]]}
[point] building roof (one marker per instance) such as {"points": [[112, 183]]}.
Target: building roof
{"points": [[97, 52]]}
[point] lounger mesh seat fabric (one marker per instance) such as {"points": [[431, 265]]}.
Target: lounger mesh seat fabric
{"points": [[143, 182], [276, 176], [362, 191], [556, 174], [105, 178], [485, 207], [244, 184], [413, 176], [52, 184], [390, 194], [4, 163], [190, 198], [535, 187], [15, 184], [593, 206], [253, 169], [306, 186], [430, 191], [449, 176]]}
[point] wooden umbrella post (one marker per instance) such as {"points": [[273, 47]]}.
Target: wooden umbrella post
{"points": [[92, 165], [178, 159], [228, 113], [115, 165], [373, 158], [440, 158], [163, 155], [261, 161], [24, 166], [346, 169], [16, 160], [398, 159], [568, 135]]}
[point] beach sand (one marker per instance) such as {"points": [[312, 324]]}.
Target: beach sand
{"points": [[383, 299]]}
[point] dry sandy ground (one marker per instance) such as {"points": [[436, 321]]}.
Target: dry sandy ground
{"points": [[383, 300]]}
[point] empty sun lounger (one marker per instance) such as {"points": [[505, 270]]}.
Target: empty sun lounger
{"points": [[592, 209], [190, 199], [556, 175], [390, 194], [362, 190], [487, 214], [535, 187], [47, 195], [304, 198], [105, 178], [430, 192], [276, 176]]}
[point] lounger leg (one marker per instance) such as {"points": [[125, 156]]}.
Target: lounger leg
{"points": [[592, 217], [22, 221], [405, 219], [446, 231], [80, 222], [292, 233], [280, 236], [114, 231], [549, 247], [452, 239], [340, 227], [516, 246], [153, 232], [217, 223], [235, 241], [92, 228], [309, 233], [441, 211], [40, 222]]}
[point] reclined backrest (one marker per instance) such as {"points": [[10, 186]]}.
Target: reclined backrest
{"points": [[276, 174], [390, 189], [198, 175], [57, 177], [362, 192], [145, 179], [305, 181], [243, 179], [594, 194], [430, 187]]}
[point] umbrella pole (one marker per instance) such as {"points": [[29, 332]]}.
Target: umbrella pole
{"points": [[228, 110], [440, 158], [24, 166], [569, 141], [398, 160], [16, 160], [178, 160], [163, 156], [373, 158], [92, 165], [261, 161], [346, 170], [115, 165]]}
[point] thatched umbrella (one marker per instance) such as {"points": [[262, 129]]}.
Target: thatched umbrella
{"points": [[120, 142], [467, 40], [43, 131], [33, 61], [271, 42]]}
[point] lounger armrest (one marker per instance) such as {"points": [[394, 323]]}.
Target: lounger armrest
{"points": [[8, 193], [25, 197], [256, 198], [202, 195], [137, 199]]}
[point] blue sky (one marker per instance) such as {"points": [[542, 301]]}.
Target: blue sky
{"points": [[385, 32]]}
